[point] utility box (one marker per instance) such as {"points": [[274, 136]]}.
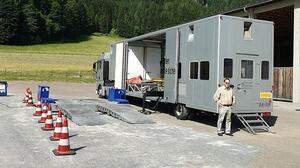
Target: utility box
{"points": [[43, 92], [3, 88]]}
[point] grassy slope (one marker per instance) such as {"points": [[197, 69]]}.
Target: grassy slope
{"points": [[91, 45], [54, 61]]}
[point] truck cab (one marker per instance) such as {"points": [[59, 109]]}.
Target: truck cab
{"points": [[101, 70]]}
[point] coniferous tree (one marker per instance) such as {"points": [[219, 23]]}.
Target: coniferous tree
{"points": [[8, 20], [55, 23], [36, 21], [31, 24]]}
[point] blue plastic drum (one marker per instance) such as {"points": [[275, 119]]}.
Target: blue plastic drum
{"points": [[43, 91], [3, 88]]}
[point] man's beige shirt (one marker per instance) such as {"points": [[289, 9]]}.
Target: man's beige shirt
{"points": [[224, 96]]}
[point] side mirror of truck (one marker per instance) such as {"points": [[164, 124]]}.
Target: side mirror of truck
{"points": [[94, 66]]}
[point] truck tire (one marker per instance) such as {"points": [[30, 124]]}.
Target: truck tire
{"points": [[99, 90], [181, 112]]}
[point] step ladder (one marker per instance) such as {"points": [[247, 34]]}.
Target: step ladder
{"points": [[253, 122]]}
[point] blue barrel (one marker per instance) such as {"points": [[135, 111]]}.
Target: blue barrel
{"points": [[3, 88], [114, 94], [43, 91]]}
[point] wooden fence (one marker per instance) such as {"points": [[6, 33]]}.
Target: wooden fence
{"points": [[283, 83]]}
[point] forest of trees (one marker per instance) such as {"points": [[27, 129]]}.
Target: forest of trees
{"points": [[40, 21]]}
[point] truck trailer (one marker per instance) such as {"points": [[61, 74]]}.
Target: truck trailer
{"points": [[185, 64]]}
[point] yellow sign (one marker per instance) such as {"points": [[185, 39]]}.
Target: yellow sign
{"points": [[265, 95]]}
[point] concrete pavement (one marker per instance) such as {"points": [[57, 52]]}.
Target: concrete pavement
{"points": [[168, 143]]}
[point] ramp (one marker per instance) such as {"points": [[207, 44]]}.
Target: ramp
{"points": [[86, 112], [83, 112], [124, 112]]}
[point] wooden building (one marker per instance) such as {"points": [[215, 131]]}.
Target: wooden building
{"points": [[286, 16]]}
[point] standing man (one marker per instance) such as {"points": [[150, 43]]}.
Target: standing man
{"points": [[225, 99]]}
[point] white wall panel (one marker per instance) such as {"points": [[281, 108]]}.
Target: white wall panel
{"points": [[119, 62], [153, 57], [135, 62]]}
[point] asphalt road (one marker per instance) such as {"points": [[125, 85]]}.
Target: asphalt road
{"points": [[167, 143]]}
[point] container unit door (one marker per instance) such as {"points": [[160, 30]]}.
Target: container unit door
{"points": [[247, 82], [170, 78], [182, 65], [112, 62], [119, 70], [153, 57], [265, 92]]}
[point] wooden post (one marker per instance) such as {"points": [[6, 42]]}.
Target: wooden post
{"points": [[296, 58]]}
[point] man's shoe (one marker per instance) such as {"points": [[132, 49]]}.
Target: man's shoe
{"points": [[229, 134], [220, 134]]}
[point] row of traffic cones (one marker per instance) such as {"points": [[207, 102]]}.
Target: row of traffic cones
{"points": [[61, 132]]}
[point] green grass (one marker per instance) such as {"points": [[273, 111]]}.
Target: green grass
{"points": [[60, 61]]}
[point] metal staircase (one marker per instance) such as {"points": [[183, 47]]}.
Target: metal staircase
{"points": [[253, 122]]}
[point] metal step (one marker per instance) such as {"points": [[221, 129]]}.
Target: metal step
{"points": [[247, 115], [254, 121], [251, 128], [259, 127]]}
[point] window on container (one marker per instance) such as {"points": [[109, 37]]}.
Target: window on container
{"points": [[228, 68], [194, 70], [247, 69], [179, 70], [204, 70], [248, 30], [265, 70], [191, 34]]}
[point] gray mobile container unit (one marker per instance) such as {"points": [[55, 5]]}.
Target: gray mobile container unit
{"points": [[198, 55]]}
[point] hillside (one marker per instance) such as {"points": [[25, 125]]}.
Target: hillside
{"points": [[61, 61]]}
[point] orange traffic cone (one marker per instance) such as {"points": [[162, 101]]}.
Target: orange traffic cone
{"points": [[58, 127], [38, 109], [44, 113], [49, 122], [37, 103], [25, 100], [30, 101], [64, 144]]}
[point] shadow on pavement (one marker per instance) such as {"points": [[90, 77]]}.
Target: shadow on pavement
{"points": [[73, 135], [79, 148], [271, 120], [203, 117]]}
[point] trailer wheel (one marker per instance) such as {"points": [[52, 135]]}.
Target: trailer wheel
{"points": [[181, 112]]}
